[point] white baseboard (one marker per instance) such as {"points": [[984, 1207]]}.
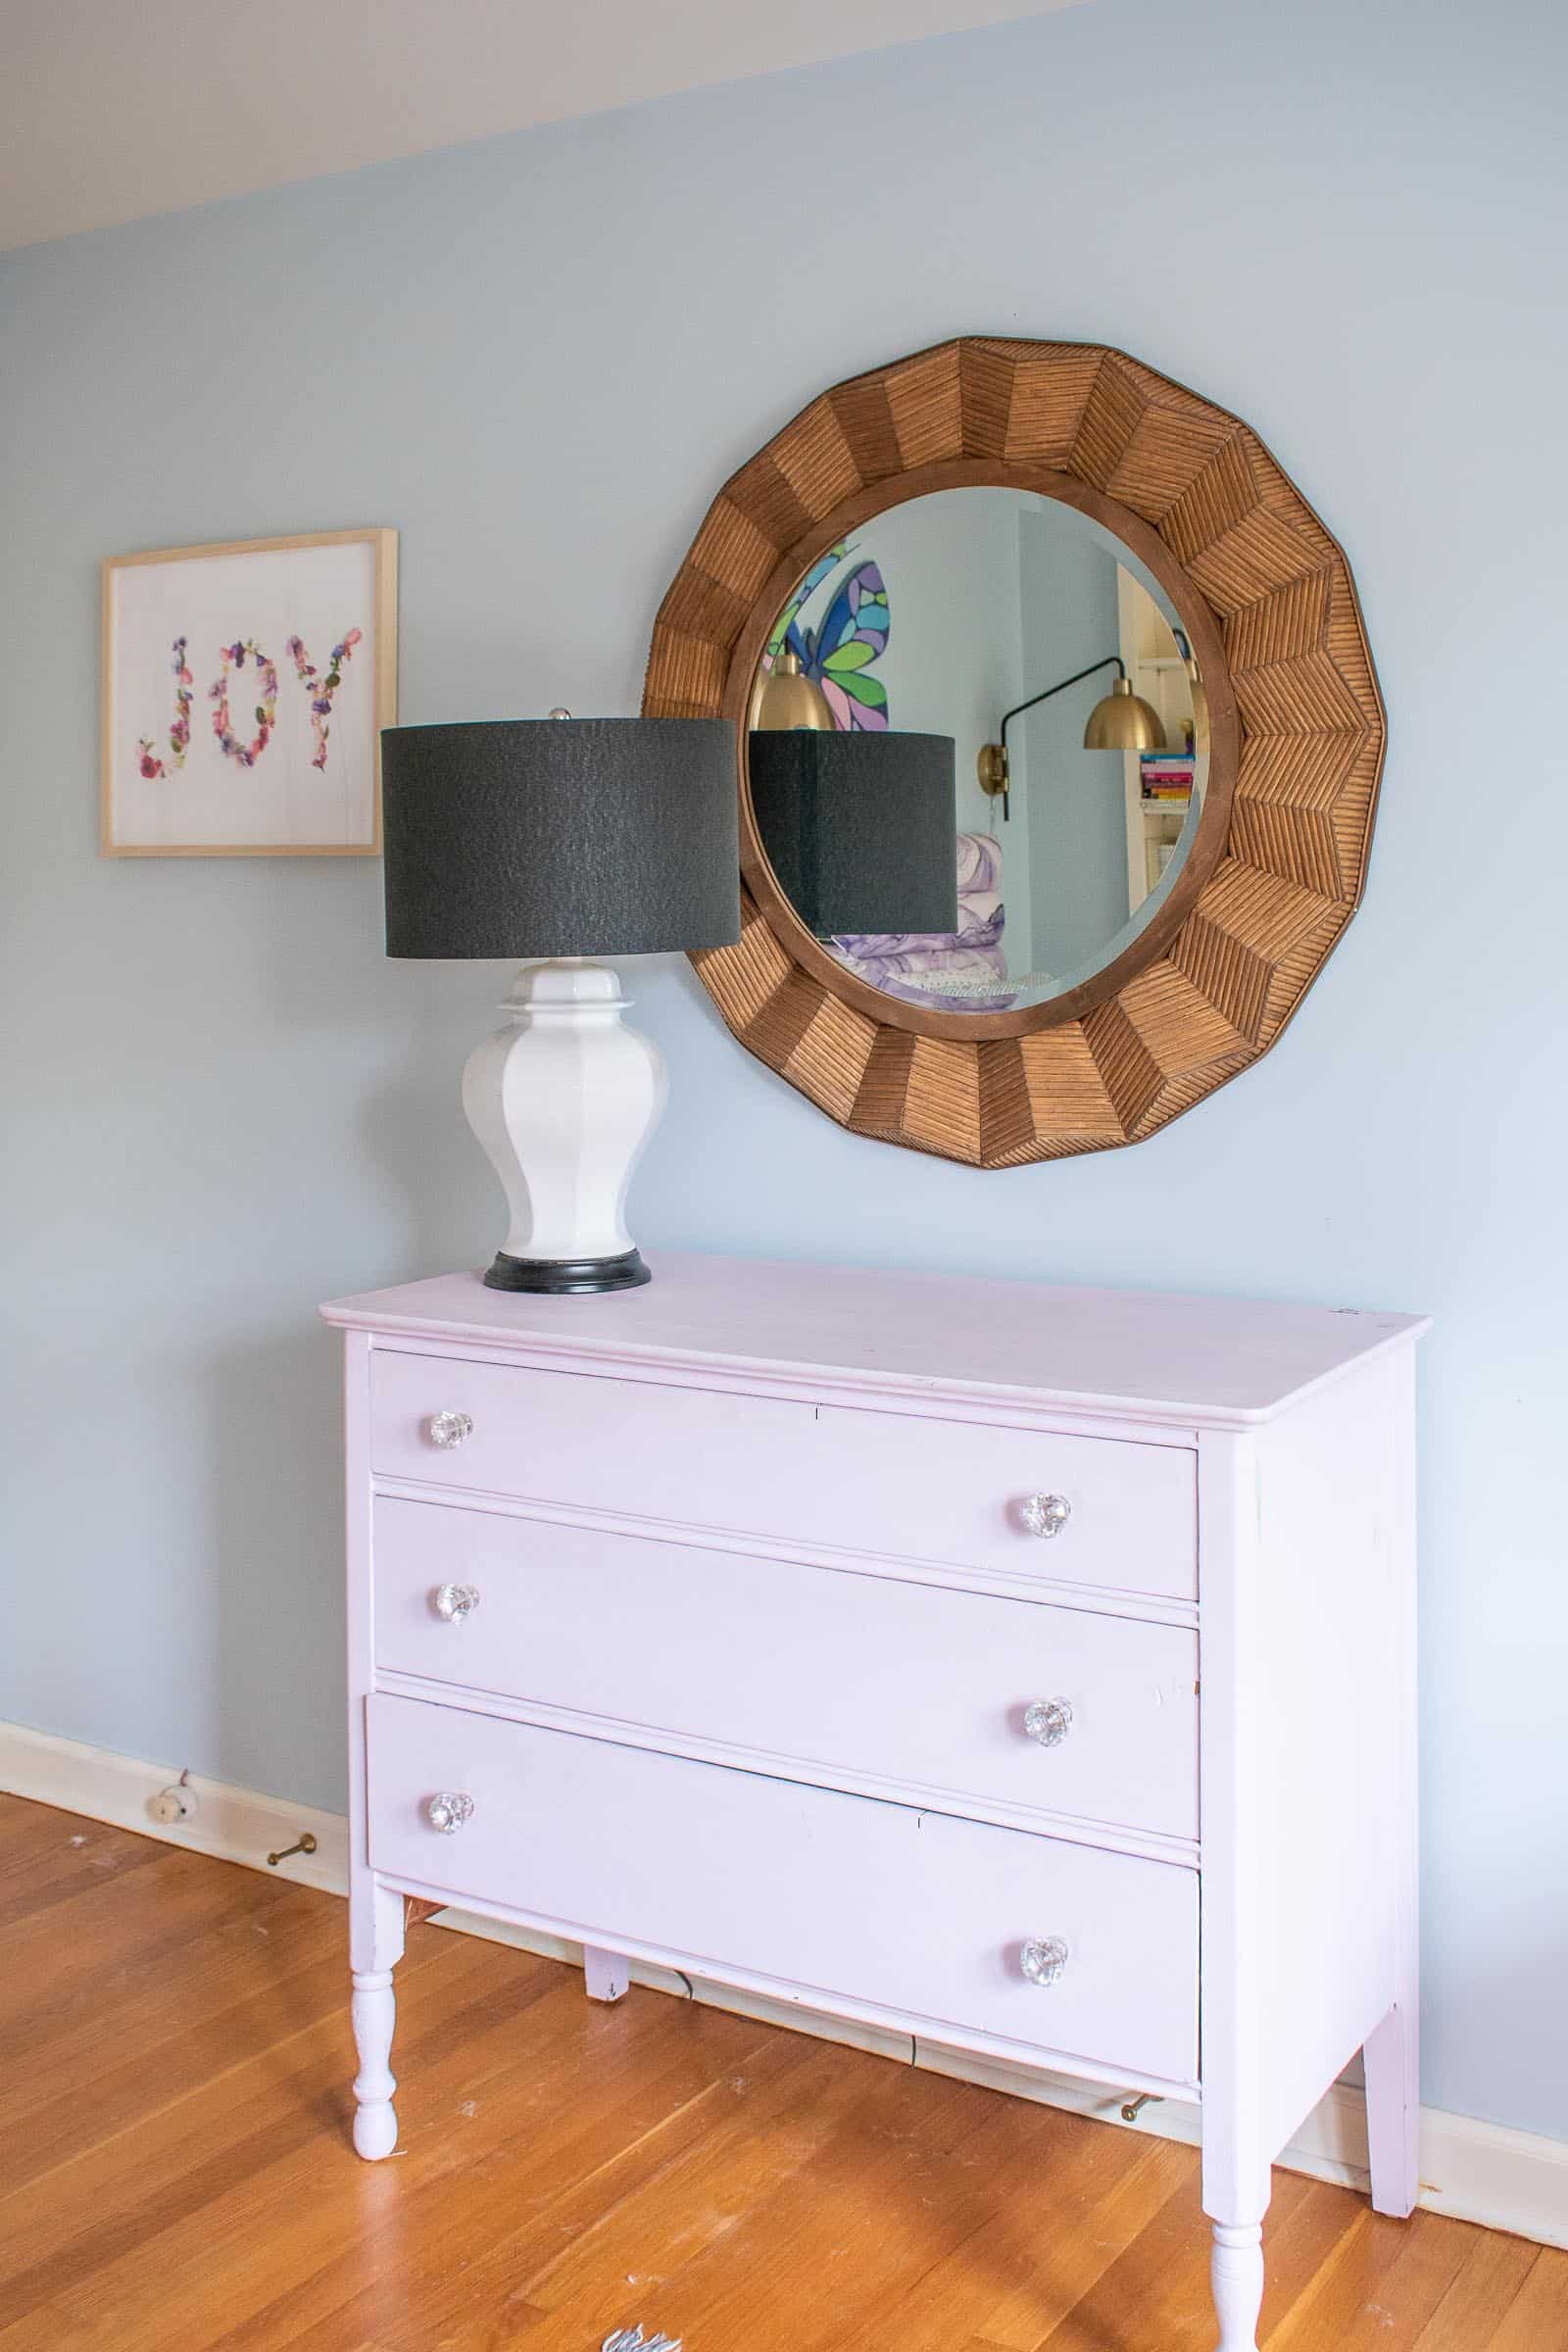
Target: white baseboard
{"points": [[1486, 2172], [234, 1825]]}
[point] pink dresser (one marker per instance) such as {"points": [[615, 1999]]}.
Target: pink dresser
{"points": [[1027, 1669]]}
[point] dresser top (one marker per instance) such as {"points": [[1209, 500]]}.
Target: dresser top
{"points": [[1216, 1361]]}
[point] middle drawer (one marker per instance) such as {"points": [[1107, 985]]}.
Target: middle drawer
{"points": [[895, 1683]]}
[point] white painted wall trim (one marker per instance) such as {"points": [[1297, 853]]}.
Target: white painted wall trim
{"points": [[1483, 2172], [235, 1825]]}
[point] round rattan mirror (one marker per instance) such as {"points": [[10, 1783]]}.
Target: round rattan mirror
{"points": [[1057, 747]]}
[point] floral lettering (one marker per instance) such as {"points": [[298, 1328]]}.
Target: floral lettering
{"points": [[322, 690], [180, 725], [234, 657]]}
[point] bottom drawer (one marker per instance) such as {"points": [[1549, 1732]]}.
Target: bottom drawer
{"points": [[918, 1913]]}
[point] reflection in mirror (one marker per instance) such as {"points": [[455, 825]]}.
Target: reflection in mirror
{"points": [[1068, 791], [860, 828]]}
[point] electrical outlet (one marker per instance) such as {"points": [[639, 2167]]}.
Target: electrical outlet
{"points": [[174, 1804]]}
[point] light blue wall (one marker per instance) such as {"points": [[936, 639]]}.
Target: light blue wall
{"points": [[1078, 855], [538, 357]]}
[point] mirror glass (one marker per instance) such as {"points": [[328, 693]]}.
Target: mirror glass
{"points": [[960, 826]]}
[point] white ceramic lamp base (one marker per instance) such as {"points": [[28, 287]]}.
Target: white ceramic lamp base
{"points": [[563, 1099]]}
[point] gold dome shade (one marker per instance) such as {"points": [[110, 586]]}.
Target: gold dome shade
{"points": [[1122, 722], [785, 698]]}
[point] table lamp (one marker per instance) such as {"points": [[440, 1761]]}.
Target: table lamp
{"points": [[861, 829], [561, 839]]}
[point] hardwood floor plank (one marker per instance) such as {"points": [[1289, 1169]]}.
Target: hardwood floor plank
{"points": [[176, 2173], [1065, 2204], [769, 2116], [45, 1854], [886, 2197], [1158, 2291], [1379, 2287], [499, 2183], [556, 2088], [24, 1822], [129, 2092], [1490, 2280], [1297, 2243], [140, 2185], [97, 1953], [510, 2235], [660, 2224], [1538, 2318], [232, 1997]]}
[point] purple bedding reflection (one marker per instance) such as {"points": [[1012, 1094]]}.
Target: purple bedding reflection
{"points": [[964, 970]]}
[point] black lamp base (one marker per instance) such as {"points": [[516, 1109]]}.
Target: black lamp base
{"points": [[567, 1275]]}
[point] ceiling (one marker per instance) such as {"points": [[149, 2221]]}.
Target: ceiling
{"points": [[112, 110]]}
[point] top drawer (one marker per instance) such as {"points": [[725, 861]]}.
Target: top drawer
{"points": [[831, 1475]]}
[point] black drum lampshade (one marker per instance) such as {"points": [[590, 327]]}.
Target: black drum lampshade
{"points": [[860, 830], [553, 837]]}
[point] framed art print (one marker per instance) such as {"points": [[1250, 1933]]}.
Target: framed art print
{"points": [[245, 688]]}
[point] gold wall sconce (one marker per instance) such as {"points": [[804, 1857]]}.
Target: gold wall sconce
{"points": [[784, 698], [1120, 722]]}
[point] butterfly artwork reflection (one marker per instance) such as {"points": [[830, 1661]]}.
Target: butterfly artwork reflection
{"points": [[837, 655]]}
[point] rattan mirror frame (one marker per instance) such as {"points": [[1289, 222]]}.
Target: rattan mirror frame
{"points": [[1279, 862]]}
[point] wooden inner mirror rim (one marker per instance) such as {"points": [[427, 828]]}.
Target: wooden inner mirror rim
{"points": [[1208, 843]]}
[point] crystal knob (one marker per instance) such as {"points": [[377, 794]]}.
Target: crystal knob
{"points": [[448, 1811], [455, 1602], [1047, 1720], [449, 1429], [1043, 1959], [1044, 1514]]}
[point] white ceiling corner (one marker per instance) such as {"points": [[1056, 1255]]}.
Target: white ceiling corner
{"points": [[115, 110]]}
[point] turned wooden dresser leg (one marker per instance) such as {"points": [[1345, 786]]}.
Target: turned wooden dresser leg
{"points": [[375, 2122], [375, 1946], [1235, 2268], [606, 1973]]}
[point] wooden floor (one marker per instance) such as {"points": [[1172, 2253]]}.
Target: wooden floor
{"points": [[176, 2171]]}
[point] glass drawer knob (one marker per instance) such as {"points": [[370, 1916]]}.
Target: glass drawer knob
{"points": [[1044, 1515], [450, 1429], [448, 1811], [1047, 1720], [454, 1602], [1043, 1959]]}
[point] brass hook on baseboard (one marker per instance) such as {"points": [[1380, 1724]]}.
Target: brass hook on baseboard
{"points": [[1132, 2109], [304, 1843]]}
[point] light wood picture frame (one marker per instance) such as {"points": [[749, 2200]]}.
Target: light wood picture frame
{"points": [[1279, 862], [245, 685]]}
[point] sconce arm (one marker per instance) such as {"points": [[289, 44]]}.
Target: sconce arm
{"points": [[1046, 694]]}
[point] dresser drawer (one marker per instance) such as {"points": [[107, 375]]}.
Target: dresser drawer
{"points": [[896, 1681], [915, 1913], [831, 1475]]}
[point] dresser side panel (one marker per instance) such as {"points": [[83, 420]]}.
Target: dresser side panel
{"points": [[357, 1563], [375, 1918], [1335, 1735], [1233, 1806]]}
